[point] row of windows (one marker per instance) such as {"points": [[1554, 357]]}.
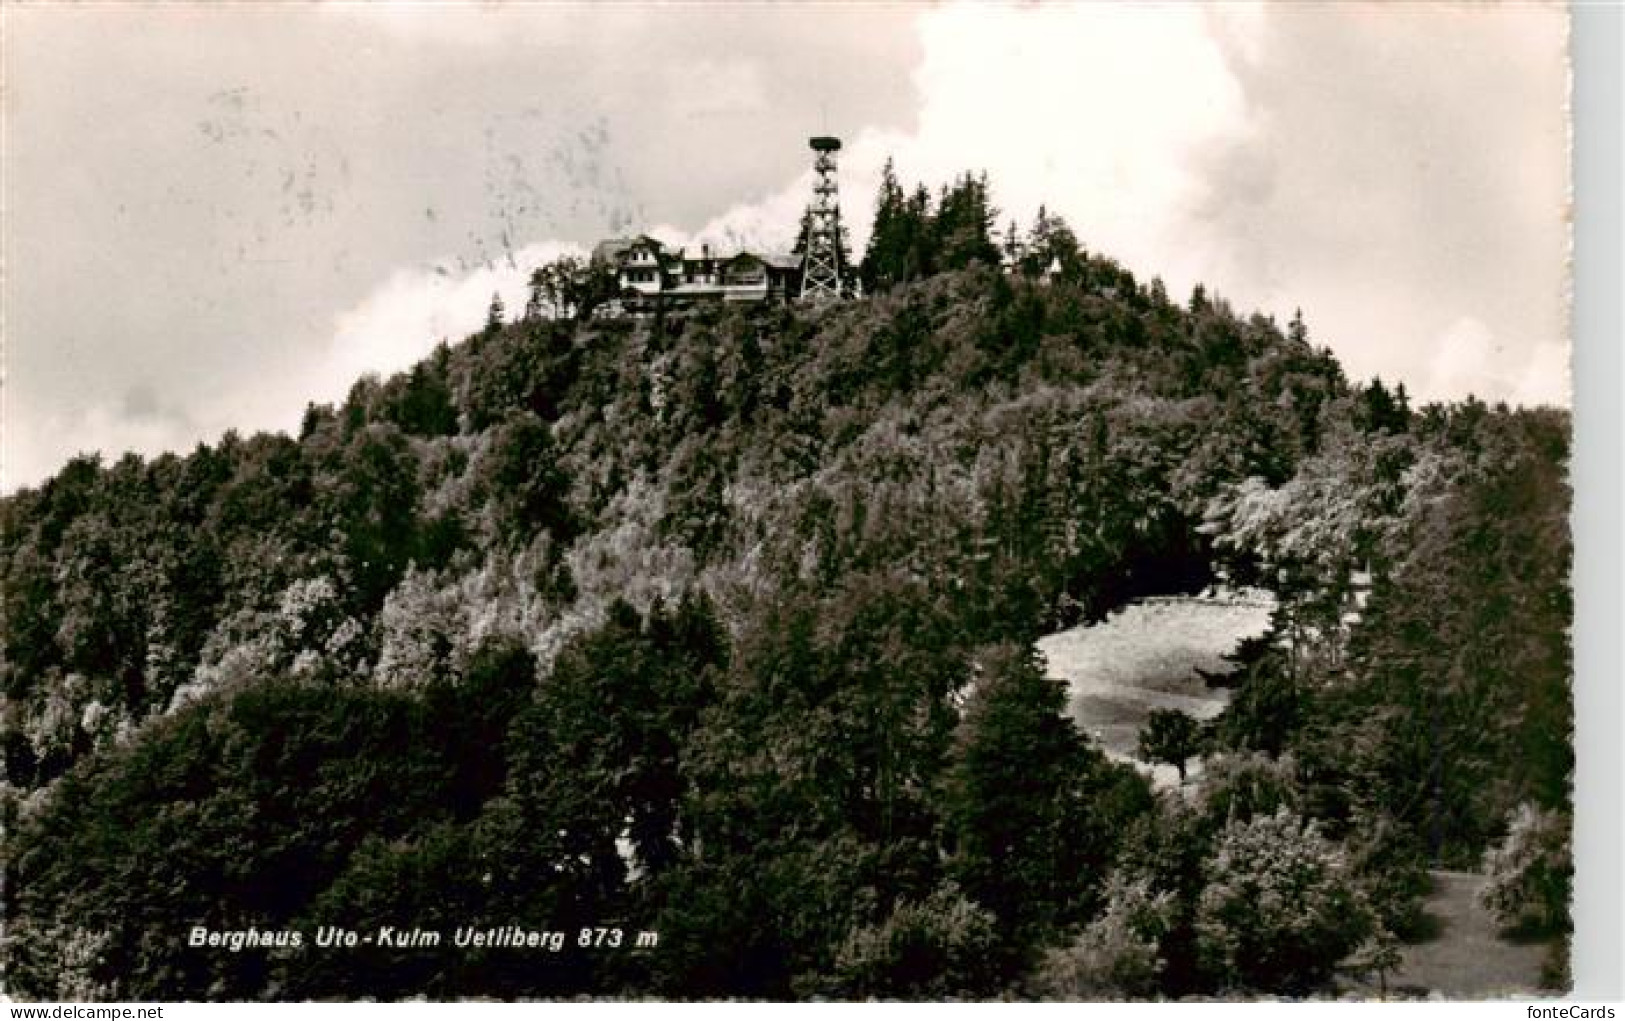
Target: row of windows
{"points": [[649, 276]]}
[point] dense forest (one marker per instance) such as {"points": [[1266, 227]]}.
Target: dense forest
{"points": [[720, 626]]}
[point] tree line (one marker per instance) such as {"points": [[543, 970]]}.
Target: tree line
{"points": [[721, 627]]}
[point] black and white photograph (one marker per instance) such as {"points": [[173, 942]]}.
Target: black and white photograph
{"points": [[786, 502]]}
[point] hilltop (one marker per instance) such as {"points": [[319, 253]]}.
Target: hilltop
{"points": [[720, 626]]}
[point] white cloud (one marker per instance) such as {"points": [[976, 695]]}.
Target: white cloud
{"points": [[404, 318], [398, 324], [1151, 128], [34, 448], [1545, 377], [1095, 110], [1319, 186], [1468, 359]]}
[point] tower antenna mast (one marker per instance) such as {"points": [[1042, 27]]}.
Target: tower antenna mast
{"points": [[821, 266]]}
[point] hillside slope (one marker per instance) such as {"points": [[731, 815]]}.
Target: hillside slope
{"points": [[718, 627]]}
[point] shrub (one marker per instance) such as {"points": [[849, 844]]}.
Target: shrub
{"points": [[1279, 911], [1119, 954], [943, 946], [1532, 870]]}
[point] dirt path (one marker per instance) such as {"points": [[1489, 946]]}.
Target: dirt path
{"points": [[1145, 657], [1467, 958]]}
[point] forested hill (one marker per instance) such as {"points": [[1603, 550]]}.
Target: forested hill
{"points": [[719, 626]]}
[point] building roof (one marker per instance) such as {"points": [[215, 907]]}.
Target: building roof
{"points": [[614, 249]]}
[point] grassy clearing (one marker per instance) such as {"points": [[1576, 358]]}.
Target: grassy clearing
{"points": [[1466, 956], [1145, 657]]}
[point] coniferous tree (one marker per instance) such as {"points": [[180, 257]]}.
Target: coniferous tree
{"points": [[1012, 248], [921, 250], [1034, 811], [963, 229], [885, 258], [1052, 245], [1297, 332]]}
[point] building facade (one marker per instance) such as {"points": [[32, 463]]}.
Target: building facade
{"points": [[650, 276]]}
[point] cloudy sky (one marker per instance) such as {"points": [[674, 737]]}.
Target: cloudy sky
{"points": [[213, 215]]}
